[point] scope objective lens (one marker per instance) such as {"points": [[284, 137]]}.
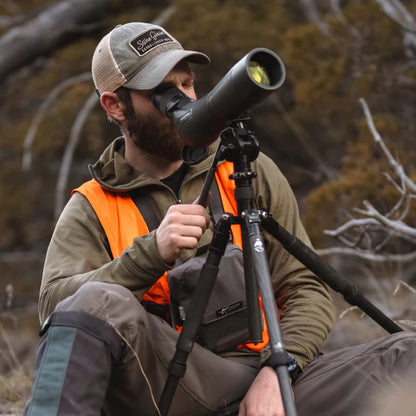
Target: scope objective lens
{"points": [[258, 73]]}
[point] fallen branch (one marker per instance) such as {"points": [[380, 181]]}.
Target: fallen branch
{"points": [[56, 25]]}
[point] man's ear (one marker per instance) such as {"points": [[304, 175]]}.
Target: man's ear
{"points": [[112, 105]]}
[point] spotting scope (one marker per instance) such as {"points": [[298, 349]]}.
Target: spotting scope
{"points": [[249, 81]]}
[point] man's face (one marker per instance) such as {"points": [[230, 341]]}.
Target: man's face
{"points": [[151, 131]]}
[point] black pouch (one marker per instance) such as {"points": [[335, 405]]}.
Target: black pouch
{"points": [[225, 322]]}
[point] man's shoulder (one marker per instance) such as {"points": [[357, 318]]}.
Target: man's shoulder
{"points": [[264, 165], [78, 209]]}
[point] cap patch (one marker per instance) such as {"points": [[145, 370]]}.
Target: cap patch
{"points": [[149, 40]]}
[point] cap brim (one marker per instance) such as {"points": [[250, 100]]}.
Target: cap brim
{"points": [[157, 69]]}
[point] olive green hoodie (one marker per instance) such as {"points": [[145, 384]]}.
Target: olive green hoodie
{"points": [[79, 251]]}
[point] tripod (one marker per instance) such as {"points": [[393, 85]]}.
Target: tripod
{"points": [[239, 146]]}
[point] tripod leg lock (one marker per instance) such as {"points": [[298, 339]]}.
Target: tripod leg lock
{"points": [[177, 369], [277, 359], [282, 358]]}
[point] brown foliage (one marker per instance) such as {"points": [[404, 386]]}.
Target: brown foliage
{"points": [[361, 177]]}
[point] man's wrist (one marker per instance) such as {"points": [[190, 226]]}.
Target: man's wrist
{"points": [[292, 366]]}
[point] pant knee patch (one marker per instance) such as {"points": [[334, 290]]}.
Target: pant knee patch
{"points": [[88, 323]]}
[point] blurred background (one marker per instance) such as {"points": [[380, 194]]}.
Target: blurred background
{"points": [[341, 128]]}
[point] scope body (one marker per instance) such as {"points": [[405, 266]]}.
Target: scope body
{"points": [[199, 122]]}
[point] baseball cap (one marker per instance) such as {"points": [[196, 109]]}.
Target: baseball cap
{"points": [[138, 56]]}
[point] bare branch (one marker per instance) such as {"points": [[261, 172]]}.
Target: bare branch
{"points": [[368, 255], [396, 11], [336, 8], [311, 12], [165, 15], [69, 152], [378, 139], [375, 222], [50, 99], [398, 226], [405, 285], [354, 223]]}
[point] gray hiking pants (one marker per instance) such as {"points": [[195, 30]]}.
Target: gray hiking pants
{"points": [[334, 384]]}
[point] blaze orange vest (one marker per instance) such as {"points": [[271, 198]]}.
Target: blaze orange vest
{"points": [[122, 222]]}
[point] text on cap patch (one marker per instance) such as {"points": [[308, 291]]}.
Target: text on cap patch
{"points": [[149, 40]]}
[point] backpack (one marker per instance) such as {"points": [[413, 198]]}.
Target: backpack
{"points": [[225, 322]]}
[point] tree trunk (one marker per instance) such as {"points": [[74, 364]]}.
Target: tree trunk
{"points": [[53, 27]]}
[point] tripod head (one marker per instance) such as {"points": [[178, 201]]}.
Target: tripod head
{"points": [[239, 144]]}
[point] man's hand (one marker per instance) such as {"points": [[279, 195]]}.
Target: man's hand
{"points": [[182, 227], [263, 397]]}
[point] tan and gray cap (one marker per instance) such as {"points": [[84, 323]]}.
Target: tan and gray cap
{"points": [[137, 56]]}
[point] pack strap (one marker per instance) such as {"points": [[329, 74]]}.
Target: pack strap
{"points": [[147, 208], [215, 203], [151, 214]]}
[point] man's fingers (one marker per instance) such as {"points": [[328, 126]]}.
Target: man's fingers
{"points": [[177, 231], [191, 213], [181, 219], [193, 208], [182, 227]]}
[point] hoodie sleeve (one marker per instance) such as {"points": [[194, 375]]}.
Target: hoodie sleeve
{"points": [[79, 252]]}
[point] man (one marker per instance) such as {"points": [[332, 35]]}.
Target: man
{"points": [[102, 352]]}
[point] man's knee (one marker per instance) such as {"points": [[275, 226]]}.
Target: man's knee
{"points": [[404, 350], [110, 302]]}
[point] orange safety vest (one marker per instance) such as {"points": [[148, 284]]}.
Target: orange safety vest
{"points": [[122, 222]]}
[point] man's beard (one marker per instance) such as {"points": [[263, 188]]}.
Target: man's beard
{"points": [[155, 134]]}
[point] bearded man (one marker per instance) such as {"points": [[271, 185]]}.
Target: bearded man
{"points": [[107, 339]]}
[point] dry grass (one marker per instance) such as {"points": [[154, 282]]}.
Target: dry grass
{"points": [[18, 340], [14, 391], [391, 288]]}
